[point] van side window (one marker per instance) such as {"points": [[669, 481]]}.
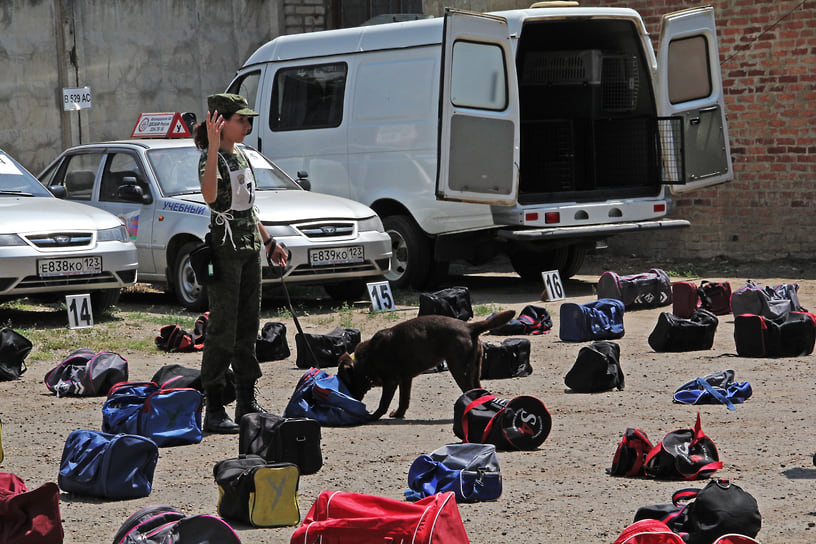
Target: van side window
{"points": [[307, 97], [689, 70], [478, 76], [247, 86]]}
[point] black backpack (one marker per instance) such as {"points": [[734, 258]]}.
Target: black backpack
{"points": [[718, 509], [596, 369], [531, 320], [160, 524]]}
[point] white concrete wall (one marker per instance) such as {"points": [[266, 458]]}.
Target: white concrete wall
{"points": [[136, 55]]}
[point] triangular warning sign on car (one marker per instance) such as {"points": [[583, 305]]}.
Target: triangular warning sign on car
{"points": [[161, 125]]}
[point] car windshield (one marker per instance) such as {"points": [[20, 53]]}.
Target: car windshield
{"points": [[17, 181], [177, 170]]}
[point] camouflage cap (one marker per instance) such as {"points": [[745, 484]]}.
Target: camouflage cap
{"points": [[228, 104]]}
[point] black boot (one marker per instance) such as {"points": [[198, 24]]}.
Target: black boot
{"points": [[246, 403], [216, 419]]}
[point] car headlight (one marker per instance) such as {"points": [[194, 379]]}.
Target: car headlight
{"points": [[7, 240], [372, 223], [116, 234], [276, 231]]}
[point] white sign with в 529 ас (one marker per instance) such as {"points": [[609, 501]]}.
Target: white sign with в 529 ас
{"points": [[76, 99]]}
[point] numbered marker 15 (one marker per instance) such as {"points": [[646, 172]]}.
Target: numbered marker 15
{"points": [[80, 315], [381, 298], [553, 288]]}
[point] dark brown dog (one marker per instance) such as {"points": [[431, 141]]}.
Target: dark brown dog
{"points": [[393, 357]]}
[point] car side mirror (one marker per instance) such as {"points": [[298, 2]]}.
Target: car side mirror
{"points": [[58, 191], [303, 181], [131, 192]]}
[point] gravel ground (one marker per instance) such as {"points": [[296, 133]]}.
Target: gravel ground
{"points": [[559, 493]]}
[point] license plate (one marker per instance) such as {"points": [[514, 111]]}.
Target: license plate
{"points": [[336, 255], [73, 266]]}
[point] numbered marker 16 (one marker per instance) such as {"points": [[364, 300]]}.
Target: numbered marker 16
{"points": [[80, 315], [553, 288], [381, 298]]}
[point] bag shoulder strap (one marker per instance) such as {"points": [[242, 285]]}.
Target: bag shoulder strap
{"points": [[471, 405]]}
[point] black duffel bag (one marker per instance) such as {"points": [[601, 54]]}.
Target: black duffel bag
{"points": [[452, 302], [520, 423], [510, 359], [327, 348], [282, 440], [675, 334]]}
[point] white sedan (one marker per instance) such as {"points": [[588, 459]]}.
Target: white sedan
{"points": [[153, 185], [52, 247]]}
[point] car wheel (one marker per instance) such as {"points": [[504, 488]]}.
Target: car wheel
{"points": [[190, 294], [102, 300], [346, 291], [530, 264], [411, 256]]}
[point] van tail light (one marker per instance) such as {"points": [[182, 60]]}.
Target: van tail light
{"points": [[552, 217], [659, 208]]}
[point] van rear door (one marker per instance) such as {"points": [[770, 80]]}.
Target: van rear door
{"points": [[690, 86], [478, 134]]}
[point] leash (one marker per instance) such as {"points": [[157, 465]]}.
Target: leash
{"points": [[291, 308]]}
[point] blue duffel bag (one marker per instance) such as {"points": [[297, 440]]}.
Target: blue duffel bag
{"points": [[597, 320], [326, 399], [471, 471], [168, 416], [110, 466]]}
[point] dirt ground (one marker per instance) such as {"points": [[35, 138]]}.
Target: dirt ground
{"points": [[557, 494]]}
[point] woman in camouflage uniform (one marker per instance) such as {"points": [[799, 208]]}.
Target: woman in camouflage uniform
{"points": [[236, 236]]}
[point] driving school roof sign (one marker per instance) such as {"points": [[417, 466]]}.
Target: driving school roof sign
{"points": [[160, 125]]}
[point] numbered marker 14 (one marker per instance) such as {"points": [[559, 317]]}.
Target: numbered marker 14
{"points": [[381, 298], [553, 288], [80, 315]]}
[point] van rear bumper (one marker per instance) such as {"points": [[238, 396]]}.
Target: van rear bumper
{"points": [[588, 231]]}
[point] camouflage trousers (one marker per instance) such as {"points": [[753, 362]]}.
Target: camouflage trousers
{"points": [[235, 305]]}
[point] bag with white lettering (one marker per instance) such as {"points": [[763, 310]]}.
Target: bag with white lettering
{"points": [[87, 374], [520, 423]]}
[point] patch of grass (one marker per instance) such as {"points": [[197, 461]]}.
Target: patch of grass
{"points": [[481, 310], [685, 271], [346, 314], [54, 345]]}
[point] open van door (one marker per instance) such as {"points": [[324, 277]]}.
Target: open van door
{"points": [[690, 86], [479, 111]]}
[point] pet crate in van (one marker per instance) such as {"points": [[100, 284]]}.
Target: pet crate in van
{"points": [[616, 75]]}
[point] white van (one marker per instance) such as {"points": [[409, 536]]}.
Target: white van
{"points": [[536, 132]]}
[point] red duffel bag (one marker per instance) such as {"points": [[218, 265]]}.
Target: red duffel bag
{"points": [[337, 517]]}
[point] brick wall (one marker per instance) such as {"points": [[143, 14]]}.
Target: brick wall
{"points": [[768, 55], [304, 16]]}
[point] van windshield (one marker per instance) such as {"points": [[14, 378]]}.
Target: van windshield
{"points": [[176, 170]]}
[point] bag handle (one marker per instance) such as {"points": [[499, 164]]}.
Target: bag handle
{"points": [[473, 404], [685, 494]]}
